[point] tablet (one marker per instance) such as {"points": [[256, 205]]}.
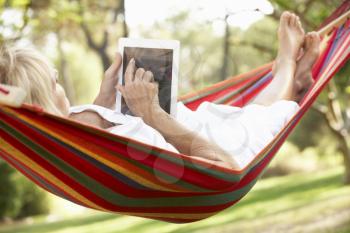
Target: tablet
{"points": [[161, 57]]}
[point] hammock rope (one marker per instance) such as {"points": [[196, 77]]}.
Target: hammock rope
{"points": [[96, 169]]}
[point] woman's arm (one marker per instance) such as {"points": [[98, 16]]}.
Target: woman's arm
{"points": [[187, 141], [141, 96]]}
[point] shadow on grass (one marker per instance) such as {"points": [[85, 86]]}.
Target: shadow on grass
{"points": [[308, 189], [59, 225], [268, 194]]}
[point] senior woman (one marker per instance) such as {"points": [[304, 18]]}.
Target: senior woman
{"points": [[224, 135]]}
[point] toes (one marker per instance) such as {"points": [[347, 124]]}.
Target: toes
{"points": [[293, 20], [285, 17], [299, 22], [307, 41], [313, 41], [300, 26], [315, 37]]}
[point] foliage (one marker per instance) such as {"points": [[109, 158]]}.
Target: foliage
{"points": [[33, 199], [19, 197], [291, 159], [10, 203]]}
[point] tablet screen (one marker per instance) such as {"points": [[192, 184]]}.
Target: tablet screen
{"points": [[160, 63]]}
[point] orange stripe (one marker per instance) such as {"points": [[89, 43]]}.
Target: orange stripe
{"points": [[45, 173], [104, 156], [232, 80]]}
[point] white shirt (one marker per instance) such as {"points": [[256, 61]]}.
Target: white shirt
{"points": [[241, 132]]}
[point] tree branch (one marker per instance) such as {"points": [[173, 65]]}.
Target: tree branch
{"points": [[88, 37], [334, 105]]}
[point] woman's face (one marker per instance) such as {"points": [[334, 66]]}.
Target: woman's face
{"points": [[59, 95]]}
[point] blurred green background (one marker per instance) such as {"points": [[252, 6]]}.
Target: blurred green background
{"points": [[305, 189]]}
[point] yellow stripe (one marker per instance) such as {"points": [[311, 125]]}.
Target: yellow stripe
{"points": [[130, 174], [51, 178], [44, 173], [337, 57]]}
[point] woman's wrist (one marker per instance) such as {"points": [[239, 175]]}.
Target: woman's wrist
{"points": [[104, 100], [153, 116]]}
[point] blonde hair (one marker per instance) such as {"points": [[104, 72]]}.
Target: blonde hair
{"points": [[28, 69]]}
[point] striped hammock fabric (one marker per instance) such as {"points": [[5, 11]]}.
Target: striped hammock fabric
{"points": [[106, 172]]}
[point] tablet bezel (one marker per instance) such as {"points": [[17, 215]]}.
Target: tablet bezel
{"points": [[156, 44]]}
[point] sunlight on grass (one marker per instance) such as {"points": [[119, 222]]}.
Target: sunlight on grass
{"points": [[291, 200]]}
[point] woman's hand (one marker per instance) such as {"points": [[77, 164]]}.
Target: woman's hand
{"points": [[107, 95], [140, 92], [141, 95], [105, 98]]}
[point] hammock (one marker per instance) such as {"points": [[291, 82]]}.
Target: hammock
{"points": [[106, 172]]}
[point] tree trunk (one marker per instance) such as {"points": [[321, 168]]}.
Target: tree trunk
{"points": [[226, 50], [106, 62], [345, 150], [125, 26], [63, 70]]}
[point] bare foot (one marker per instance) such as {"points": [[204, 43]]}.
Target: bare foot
{"points": [[290, 36], [303, 75]]}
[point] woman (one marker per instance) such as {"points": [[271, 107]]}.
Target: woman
{"points": [[210, 133]]}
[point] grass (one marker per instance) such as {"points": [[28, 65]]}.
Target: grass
{"points": [[315, 202]]}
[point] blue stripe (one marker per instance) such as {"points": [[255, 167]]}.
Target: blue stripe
{"points": [[118, 176]]}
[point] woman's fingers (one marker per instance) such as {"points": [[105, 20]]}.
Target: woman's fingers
{"points": [[148, 76], [130, 71], [139, 74], [120, 88]]}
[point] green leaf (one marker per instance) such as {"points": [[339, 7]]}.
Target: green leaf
{"points": [[347, 89], [2, 2], [20, 3]]}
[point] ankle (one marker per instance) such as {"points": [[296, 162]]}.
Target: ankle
{"points": [[281, 60]]}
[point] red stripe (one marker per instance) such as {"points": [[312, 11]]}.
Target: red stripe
{"points": [[186, 174], [115, 208], [320, 62], [189, 175], [89, 169], [57, 173], [344, 7], [217, 95], [244, 98], [84, 166], [4, 91]]}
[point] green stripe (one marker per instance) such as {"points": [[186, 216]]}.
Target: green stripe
{"points": [[228, 177], [160, 174], [179, 161], [118, 199]]}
